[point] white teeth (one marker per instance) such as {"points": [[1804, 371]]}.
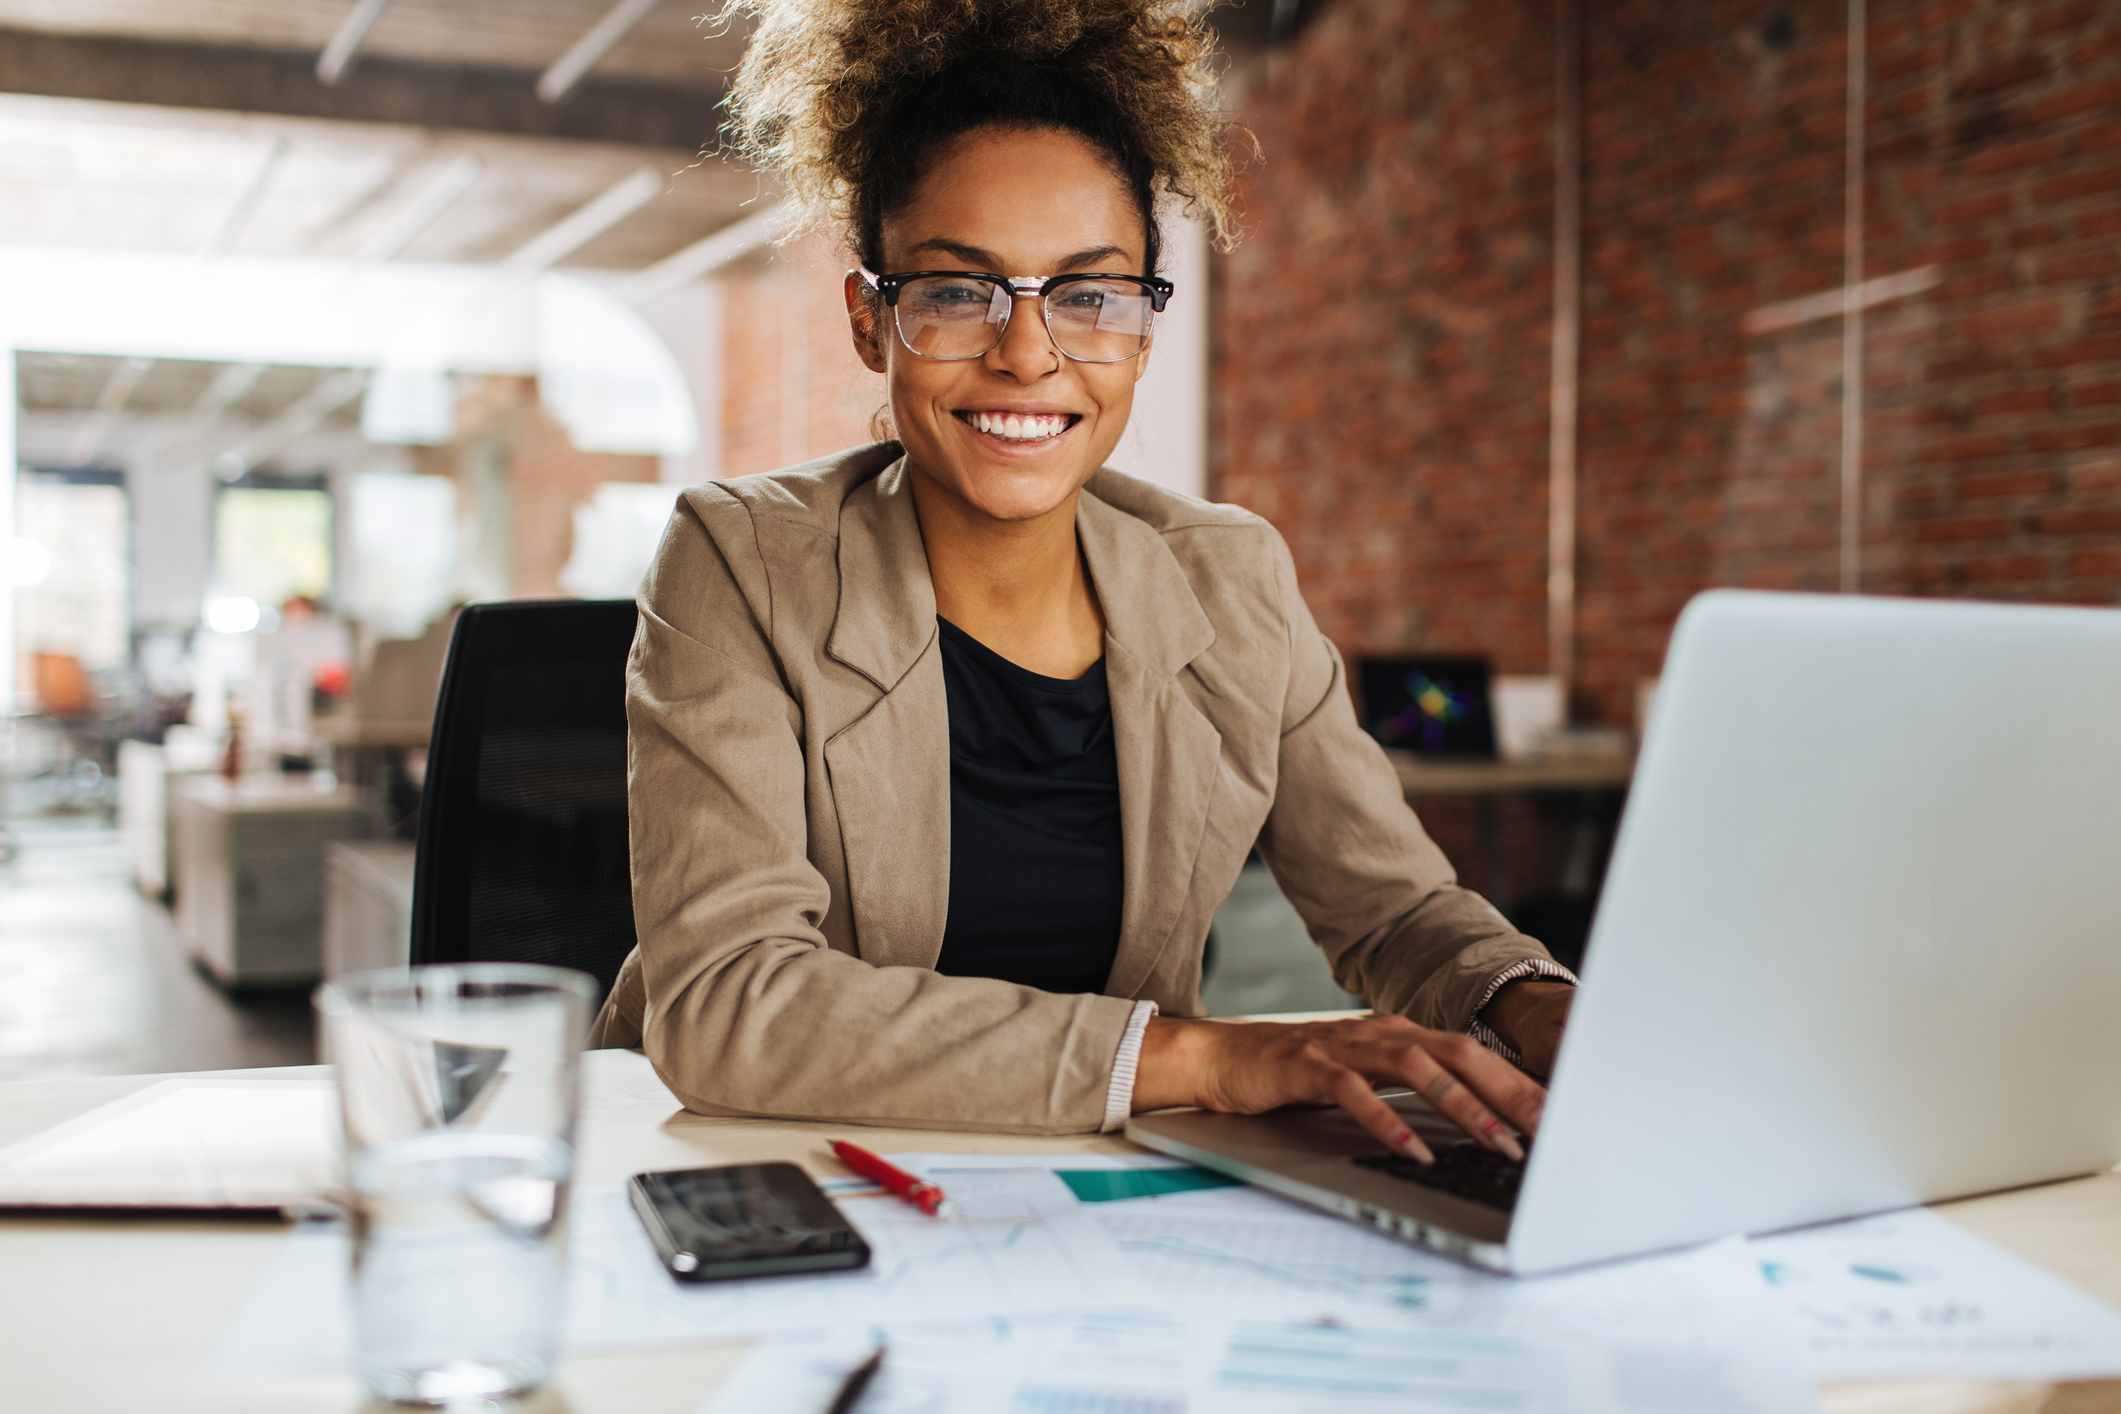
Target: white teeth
{"points": [[1018, 427]]}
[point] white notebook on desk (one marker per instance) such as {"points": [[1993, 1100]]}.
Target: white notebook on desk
{"points": [[190, 1143]]}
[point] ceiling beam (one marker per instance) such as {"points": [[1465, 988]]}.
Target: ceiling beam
{"points": [[232, 79], [422, 209], [88, 438], [597, 41], [224, 239], [332, 392], [338, 56], [704, 257], [571, 232]]}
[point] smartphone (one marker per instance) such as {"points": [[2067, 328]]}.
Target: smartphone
{"points": [[743, 1220]]}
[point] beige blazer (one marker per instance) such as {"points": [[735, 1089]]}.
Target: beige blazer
{"points": [[790, 800]]}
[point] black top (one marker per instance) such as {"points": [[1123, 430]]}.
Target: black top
{"points": [[1037, 875]]}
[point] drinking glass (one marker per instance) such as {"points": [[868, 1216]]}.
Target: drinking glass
{"points": [[457, 1085]]}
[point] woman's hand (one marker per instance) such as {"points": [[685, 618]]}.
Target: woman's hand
{"points": [[1530, 1015], [1250, 1067]]}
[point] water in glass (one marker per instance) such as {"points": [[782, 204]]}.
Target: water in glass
{"points": [[459, 1237]]}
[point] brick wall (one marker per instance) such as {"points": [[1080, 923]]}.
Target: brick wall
{"points": [[546, 478], [793, 388], [1380, 354], [1382, 337]]}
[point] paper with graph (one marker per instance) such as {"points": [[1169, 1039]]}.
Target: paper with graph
{"points": [[1269, 1308], [1912, 1294], [1265, 1307]]}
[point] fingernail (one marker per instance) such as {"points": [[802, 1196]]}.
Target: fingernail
{"points": [[1502, 1138], [1413, 1148]]}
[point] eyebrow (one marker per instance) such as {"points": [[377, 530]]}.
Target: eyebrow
{"points": [[979, 258]]}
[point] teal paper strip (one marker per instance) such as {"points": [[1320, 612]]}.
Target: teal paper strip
{"points": [[1112, 1185]]}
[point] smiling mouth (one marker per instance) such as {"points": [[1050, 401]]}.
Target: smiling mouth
{"points": [[1020, 427]]}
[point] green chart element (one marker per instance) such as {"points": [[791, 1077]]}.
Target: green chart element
{"points": [[1111, 1185]]}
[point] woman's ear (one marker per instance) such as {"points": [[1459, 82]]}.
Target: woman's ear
{"points": [[862, 321]]}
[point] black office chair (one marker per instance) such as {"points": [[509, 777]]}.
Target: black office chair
{"points": [[522, 846]]}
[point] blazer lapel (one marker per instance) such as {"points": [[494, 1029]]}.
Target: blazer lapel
{"points": [[1170, 755], [890, 768]]}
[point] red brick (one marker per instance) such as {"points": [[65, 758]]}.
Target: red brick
{"points": [[2063, 18], [1993, 572], [2099, 348], [2102, 180], [2006, 483], [1953, 449], [2014, 72], [2096, 564], [2065, 439], [2015, 401], [2017, 317], [1962, 529], [2070, 102], [2080, 520], [2016, 156], [2093, 263]]}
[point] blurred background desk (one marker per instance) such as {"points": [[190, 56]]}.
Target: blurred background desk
{"points": [[249, 863], [108, 1316], [1420, 776]]}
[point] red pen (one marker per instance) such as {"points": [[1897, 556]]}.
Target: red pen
{"points": [[917, 1191]]}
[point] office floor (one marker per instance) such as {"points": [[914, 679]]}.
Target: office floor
{"points": [[93, 981]]}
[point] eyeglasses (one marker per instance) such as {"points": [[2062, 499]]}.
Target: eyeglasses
{"points": [[962, 314]]}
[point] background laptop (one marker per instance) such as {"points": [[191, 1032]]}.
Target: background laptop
{"points": [[1859, 948]]}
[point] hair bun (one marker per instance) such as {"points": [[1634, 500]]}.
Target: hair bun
{"points": [[823, 82]]}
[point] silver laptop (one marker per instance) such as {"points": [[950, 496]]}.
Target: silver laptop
{"points": [[1859, 948]]}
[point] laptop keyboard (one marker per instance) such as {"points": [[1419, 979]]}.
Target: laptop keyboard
{"points": [[1462, 1170]]}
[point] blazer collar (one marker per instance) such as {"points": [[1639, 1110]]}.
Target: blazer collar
{"points": [[886, 614], [1149, 605]]}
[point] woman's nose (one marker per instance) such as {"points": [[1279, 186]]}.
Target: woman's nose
{"points": [[1026, 351]]}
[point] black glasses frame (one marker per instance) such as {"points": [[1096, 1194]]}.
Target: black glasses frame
{"points": [[1019, 287]]}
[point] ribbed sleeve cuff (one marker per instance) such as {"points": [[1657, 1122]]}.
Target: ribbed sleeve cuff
{"points": [[1529, 967], [1119, 1095]]}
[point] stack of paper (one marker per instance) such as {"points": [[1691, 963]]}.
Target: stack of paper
{"points": [[231, 1143]]}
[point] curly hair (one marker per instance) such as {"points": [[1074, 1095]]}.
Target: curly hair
{"points": [[852, 99]]}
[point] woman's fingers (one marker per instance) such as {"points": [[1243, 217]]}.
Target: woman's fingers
{"points": [[1496, 1084], [1456, 1101], [1355, 1096]]}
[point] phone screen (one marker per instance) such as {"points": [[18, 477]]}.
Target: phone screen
{"points": [[743, 1220]]}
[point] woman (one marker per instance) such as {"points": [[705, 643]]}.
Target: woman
{"points": [[946, 749]]}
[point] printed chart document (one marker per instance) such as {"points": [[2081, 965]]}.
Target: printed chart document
{"points": [[1266, 1307], [1912, 1294], [221, 1143], [1018, 1244]]}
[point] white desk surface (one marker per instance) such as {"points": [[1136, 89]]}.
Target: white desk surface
{"points": [[120, 1316]]}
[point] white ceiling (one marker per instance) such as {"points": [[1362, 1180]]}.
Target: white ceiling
{"points": [[125, 177], [674, 45]]}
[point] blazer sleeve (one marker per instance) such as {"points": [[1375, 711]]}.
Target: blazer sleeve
{"points": [[742, 1005], [1378, 896]]}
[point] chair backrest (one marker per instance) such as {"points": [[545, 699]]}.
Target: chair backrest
{"points": [[522, 845]]}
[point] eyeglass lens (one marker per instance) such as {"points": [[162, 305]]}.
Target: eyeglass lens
{"points": [[1092, 321]]}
